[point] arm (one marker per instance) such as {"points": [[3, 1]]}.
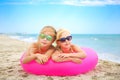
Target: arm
{"points": [[42, 58], [57, 57], [79, 53], [30, 54], [50, 52], [62, 57]]}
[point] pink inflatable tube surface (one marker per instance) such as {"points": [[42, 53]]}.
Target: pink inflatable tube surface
{"points": [[64, 68]]}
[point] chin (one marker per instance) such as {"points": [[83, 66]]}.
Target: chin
{"points": [[66, 47]]}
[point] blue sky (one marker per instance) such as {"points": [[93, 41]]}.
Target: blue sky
{"points": [[78, 16]]}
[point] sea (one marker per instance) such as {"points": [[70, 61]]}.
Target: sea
{"points": [[107, 46]]}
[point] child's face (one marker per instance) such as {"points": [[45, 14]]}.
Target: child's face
{"points": [[46, 37], [65, 40]]}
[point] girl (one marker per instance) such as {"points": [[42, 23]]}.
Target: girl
{"points": [[41, 50], [66, 51]]}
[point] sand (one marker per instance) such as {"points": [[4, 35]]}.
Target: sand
{"points": [[10, 68]]}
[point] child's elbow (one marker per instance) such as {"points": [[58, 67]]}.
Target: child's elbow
{"points": [[84, 55], [24, 62]]}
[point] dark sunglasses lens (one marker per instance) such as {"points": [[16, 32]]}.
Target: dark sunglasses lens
{"points": [[62, 39], [69, 38]]}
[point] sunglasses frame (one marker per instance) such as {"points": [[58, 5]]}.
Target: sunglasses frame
{"points": [[48, 37], [69, 38]]}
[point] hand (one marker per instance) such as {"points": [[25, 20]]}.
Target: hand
{"points": [[41, 59], [76, 60], [63, 56]]}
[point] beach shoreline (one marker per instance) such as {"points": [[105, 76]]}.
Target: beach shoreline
{"points": [[10, 68]]}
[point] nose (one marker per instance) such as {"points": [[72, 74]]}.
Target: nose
{"points": [[66, 41], [44, 39]]}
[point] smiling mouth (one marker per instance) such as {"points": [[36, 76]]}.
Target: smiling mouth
{"points": [[66, 44]]}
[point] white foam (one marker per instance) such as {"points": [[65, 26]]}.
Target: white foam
{"points": [[15, 37], [110, 57], [29, 39], [93, 38]]}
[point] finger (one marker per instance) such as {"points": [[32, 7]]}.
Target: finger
{"points": [[41, 61], [61, 56], [37, 61], [44, 60]]}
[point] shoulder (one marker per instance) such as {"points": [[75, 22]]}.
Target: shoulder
{"points": [[34, 45], [74, 46]]}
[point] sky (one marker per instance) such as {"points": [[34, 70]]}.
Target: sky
{"points": [[77, 16]]}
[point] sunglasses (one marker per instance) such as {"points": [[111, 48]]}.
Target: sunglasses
{"points": [[64, 39], [48, 37]]}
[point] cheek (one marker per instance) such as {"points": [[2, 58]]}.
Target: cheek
{"points": [[50, 42], [62, 45], [41, 40]]}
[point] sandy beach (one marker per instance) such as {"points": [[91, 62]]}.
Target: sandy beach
{"points": [[10, 68]]}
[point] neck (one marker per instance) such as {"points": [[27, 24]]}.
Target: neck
{"points": [[43, 49], [65, 50]]}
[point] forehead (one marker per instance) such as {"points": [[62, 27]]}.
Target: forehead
{"points": [[64, 34], [48, 31]]}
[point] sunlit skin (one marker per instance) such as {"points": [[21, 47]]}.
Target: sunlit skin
{"points": [[41, 50], [68, 51]]}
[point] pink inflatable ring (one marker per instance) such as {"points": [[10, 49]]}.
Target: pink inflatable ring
{"points": [[52, 68]]}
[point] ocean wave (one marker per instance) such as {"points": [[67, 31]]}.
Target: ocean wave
{"points": [[22, 38], [109, 56]]}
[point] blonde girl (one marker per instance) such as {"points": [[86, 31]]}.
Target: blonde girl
{"points": [[41, 50], [65, 50]]}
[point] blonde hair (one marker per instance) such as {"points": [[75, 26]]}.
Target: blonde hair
{"points": [[59, 32], [48, 27]]}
